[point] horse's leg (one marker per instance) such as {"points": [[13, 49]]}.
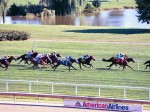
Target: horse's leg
{"points": [[123, 67], [110, 66], [73, 67], [20, 61], [80, 65], [84, 65], [69, 68], [146, 67], [129, 67], [1, 66], [6, 67], [90, 65], [55, 66]]}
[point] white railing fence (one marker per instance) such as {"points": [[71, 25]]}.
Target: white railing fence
{"points": [[26, 86]]}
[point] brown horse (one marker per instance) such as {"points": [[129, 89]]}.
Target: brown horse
{"points": [[23, 58], [147, 63], [44, 60], [86, 61], [6, 62], [54, 58], [123, 63]]}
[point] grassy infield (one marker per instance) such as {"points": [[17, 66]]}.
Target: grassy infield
{"points": [[84, 35]]}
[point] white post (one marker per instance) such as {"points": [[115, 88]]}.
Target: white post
{"points": [[37, 86], [149, 93], [52, 88], [76, 90], [6, 86], [29, 87], [14, 99], [124, 92], [138, 66], [99, 91], [38, 100]]}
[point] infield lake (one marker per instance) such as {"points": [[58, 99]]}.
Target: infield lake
{"points": [[122, 18]]}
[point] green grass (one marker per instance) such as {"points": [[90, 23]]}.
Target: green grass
{"points": [[22, 2], [76, 41], [119, 4]]}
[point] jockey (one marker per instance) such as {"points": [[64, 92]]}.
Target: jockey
{"points": [[5, 58], [29, 54], [68, 57], [120, 56], [38, 57], [52, 54], [85, 56]]}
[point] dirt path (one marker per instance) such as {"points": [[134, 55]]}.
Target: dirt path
{"points": [[96, 42]]}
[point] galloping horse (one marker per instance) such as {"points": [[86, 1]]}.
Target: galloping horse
{"points": [[23, 57], [6, 62], [86, 61], [43, 61], [54, 58], [115, 61], [147, 63], [66, 63]]}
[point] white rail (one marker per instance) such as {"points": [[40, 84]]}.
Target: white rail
{"points": [[34, 87]]}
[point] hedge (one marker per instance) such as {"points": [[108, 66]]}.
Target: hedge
{"points": [[13, 35]]}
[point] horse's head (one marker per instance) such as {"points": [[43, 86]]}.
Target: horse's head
{"points": [[130, 60], [34, 54], [92, 58], [58, 55], [11, 58], [72, 60]]}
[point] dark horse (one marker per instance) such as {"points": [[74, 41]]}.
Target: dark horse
{"points": [[23, 57], [54, 58], [119, 62], [86, 61], [147, 63], [66, 63], [6, 62]]}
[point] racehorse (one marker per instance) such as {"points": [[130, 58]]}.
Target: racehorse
{"points": [[43, 61], [115, 61], [66, 63], [147, 63], [23, 58], [54, 58], [6, 62], [86, 61]]}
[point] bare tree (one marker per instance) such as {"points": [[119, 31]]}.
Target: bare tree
{"points": [[3, 6]]}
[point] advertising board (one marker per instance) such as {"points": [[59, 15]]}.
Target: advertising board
{"points": [[103, 105]]}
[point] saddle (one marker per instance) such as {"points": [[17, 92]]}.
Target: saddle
{"points": [[121, 61]]}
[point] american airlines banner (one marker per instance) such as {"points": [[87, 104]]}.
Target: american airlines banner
{"points": [[103, 106]]}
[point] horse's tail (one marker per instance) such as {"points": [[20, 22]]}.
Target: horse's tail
{"points": [[108, 60], [146, 62], [18, 58], [22, 56]]}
